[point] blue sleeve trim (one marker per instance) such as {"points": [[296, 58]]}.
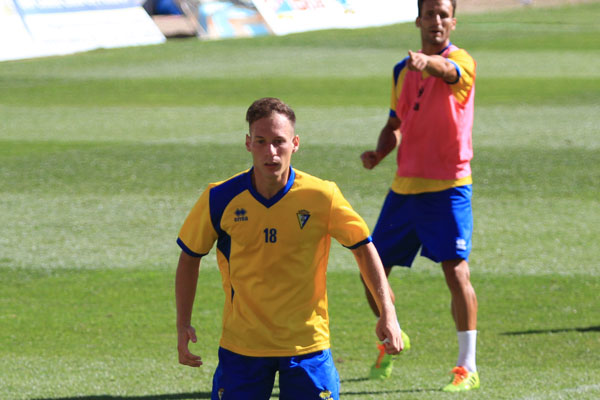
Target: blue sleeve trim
{"points": [[361, 243], [457, 73], [393, 113], [187, 249]]}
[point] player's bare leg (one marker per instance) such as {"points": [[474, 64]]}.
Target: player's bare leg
{"points": [[464, 300], [464, 312]]}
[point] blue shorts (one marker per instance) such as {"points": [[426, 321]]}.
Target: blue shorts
{"points": [[439, 222], [309, 376]]}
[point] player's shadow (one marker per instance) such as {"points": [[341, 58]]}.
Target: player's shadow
{"points": [[560, 330], [172, 396], [206, 395], [381, 392]]}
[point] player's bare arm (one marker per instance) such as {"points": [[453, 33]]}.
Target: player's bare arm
{"points": [[435, 65], [389, 138], [186, 279], [371, 269]]}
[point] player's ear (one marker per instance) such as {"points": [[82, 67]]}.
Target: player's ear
{"points": [[248, 140], [296, 143], [418, 22]]}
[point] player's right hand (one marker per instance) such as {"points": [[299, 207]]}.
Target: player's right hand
{"points": [[370, 159], [417, 61], [388, 331], [184, 335]]}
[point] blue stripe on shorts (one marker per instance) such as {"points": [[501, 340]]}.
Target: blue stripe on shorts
{"points": [[440, 223]]}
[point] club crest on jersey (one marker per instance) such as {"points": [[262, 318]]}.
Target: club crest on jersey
{"points": [[240, 215], [303, 217], [325, 394]]}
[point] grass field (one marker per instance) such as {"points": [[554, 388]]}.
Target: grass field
{"points": [[102, 155]]}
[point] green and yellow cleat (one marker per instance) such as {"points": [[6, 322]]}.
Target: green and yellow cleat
{"points": [[463, 381], [382, 369], [405, 340]]}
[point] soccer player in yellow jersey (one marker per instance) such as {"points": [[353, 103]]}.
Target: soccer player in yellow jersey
{"points": [[273, 226], [429, 204]]}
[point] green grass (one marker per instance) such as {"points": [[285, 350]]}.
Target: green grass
{"points": [[102, 155], [111, 334]]}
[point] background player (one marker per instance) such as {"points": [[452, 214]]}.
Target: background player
{"points": [[272, 225], [429, 204]]}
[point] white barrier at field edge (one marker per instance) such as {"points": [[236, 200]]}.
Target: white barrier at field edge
{"points": [[39, 28]]}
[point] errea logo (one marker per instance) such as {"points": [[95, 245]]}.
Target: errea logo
{"points": [[240, 215]]}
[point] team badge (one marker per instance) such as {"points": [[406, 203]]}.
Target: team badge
{"points": [[303, 217], [325, 394]]}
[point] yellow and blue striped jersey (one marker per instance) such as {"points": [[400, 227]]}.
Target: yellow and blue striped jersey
{"points": [[272, 254]]}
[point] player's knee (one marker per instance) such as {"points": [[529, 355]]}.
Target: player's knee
{"points": [[457, 272]]}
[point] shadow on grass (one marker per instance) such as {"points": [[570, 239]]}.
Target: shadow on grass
{"points": [[405, 391], [354, 380], [206, 395], [362, 393], [543, 331], [174, 396]]}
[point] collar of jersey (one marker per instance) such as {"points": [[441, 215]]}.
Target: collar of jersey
{"points": [[445, 48], [269, 202]]}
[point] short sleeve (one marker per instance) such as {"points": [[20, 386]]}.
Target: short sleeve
{"points": [[466, 69], [346, 225], [397, 81], [393, 99], [197, 235]]}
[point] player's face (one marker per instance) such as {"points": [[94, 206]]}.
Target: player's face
{"points": [[436, 23], [272, 141]]}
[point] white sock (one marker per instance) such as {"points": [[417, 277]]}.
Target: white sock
{"points": [[467, 341]]}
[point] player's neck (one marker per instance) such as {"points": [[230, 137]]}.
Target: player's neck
{"points": [[268, 187], [433, 49]]}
